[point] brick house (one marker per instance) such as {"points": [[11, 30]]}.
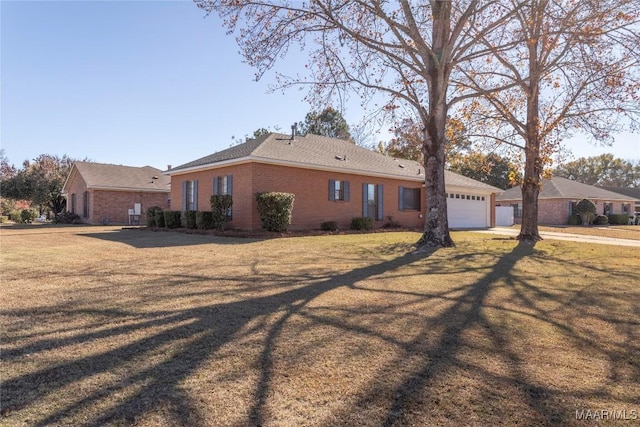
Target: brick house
{"points": [[114, 194], [332, 180], [559, 196]]}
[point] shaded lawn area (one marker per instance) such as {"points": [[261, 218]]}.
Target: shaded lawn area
{"points": [[102, 326]]}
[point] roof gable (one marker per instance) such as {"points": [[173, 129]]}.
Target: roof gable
{"points": [[319, 152], [119, 177], [563, 188]]}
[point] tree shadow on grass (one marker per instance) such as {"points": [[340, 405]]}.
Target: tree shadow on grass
{"points": [[197, 335], [142, 238], [204, 331]]}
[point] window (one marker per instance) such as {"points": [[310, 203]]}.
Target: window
{"points": [[408, 199], [190, 195], [572, 207], [85, 204], [73, 203], [223, 185], [608, 208], [625, 208], [339, 190], [372, 201], [517, 210]]}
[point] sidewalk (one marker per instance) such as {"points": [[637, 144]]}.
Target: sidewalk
{"points": [[566, 236]]}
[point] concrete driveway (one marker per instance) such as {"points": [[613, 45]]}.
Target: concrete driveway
{"points": [[567, 236]]}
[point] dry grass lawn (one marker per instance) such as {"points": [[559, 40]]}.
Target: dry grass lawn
{"points": [[105, 326], [631, 232]]}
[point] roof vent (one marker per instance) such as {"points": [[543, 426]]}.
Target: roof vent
{"points": [[401, 165], [342, 158], [419, 171]]}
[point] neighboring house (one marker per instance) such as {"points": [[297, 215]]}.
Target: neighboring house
{"points": [[332, 180], [629, 192], [104, 194], [558, 197]]}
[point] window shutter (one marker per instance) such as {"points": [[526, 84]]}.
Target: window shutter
{"points": [[364, 200], [380, 214], [332, 189], [401, 198], [346, 190], [195, 195], [230, 185], [215, 185], [418, 197], [184, 196]]}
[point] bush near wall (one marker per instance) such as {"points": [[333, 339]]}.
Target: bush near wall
{"points": [[204, 220], [361, 223], [275, 210], [152, 216], [220, 207], [160, 218], [601, 220], [329, 226], [574, 220], [618, 219], [172, 219], [67, 218], [190, 219]]}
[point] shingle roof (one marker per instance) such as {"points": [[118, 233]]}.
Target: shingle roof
{"points": [[563, 188], [118, 177], [625, 191], [319, 152]]}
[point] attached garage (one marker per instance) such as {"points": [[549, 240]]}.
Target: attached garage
{"points": [[466, 210]]}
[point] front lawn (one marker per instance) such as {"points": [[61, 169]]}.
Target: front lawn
{"points": [[105, 326]]}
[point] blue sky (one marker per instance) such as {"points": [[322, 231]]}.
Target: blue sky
{"points": [[141, 83]]}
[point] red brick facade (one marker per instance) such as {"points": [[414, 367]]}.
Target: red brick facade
{"points": [[97, 206], [311, 189], [557, 211]]}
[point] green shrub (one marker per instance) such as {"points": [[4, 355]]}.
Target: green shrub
{"points": [[275, 210], [221, 209], [618, 219], [152, 216], [587, 211], [67, 218], [3, 218], [329, 226], [204, 220], [160, 218], [574, 220], [391, 223], [28, 215], [601, 220], [637, 221], [172, 219], [190, 219], [361, 223]]}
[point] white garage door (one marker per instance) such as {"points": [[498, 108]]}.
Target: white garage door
{"points": [[467, 210]]}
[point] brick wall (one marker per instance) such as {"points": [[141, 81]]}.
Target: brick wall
{"points": [[311, 188], [112, 206]]}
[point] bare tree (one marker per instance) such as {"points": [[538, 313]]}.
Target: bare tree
{"points": [[572, 66], [404, 51]]}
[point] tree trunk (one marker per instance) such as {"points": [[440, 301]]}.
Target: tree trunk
{"points": [[533, 164], [436, 225]]}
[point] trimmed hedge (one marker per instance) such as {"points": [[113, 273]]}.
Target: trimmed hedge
{"points": [[172, 219], [160, 218], [329, 226], [601, 220], [220, 207], [574, 220], [204, 220], [67, 218], [618, 219], [190, 219], [361, 223], [275, 210], [152, 217]]}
